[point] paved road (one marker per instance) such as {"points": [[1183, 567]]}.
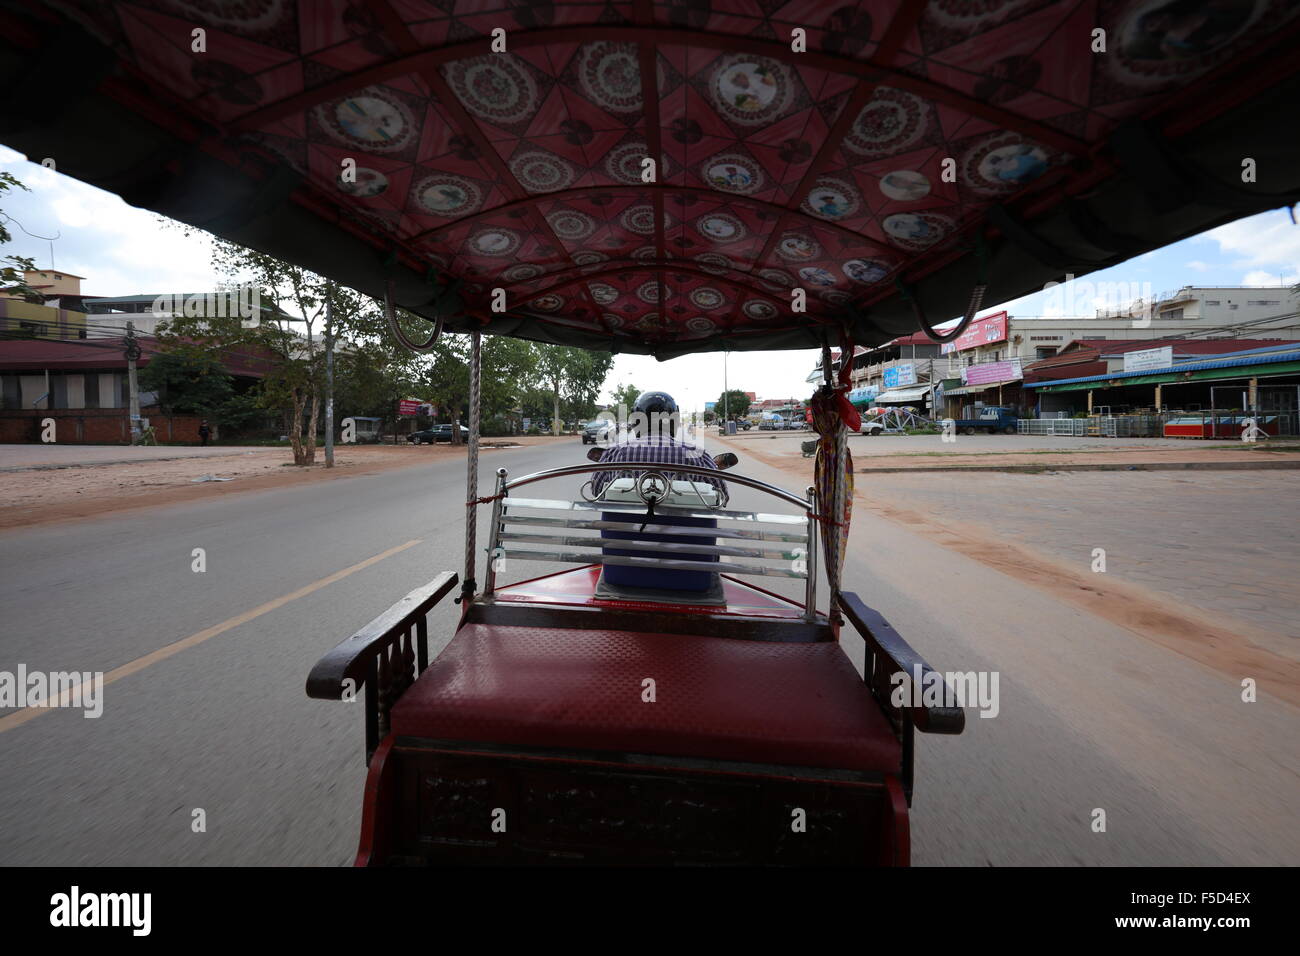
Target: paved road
{"points": [[1091, 715]]}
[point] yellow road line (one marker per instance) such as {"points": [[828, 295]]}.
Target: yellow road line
{"points": [[140, 663]]}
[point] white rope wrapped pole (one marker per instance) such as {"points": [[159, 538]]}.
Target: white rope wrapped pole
{"points": [[471, 471]]}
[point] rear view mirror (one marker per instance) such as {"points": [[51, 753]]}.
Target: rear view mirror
{"points": [[726, 460], [595, 454]]}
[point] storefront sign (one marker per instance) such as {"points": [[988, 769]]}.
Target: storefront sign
{"points": [[900, 375], [985, 331], [1149, 358], [991, 372]]}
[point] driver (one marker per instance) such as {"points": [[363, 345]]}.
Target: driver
{"points": [[655, 422]]}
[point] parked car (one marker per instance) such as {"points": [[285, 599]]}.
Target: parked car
{"points": [[595, 432], [438, 433]]}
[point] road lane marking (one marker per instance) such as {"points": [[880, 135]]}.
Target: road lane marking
{"points": [[21, 717]]}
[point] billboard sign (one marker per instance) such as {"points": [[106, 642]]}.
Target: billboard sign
{"points": [[1149, 358], [409, 407], [985, 331], [991, 372], [900, 375]]}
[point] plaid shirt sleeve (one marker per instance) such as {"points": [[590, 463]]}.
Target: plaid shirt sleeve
{"points": [[664, 451]]}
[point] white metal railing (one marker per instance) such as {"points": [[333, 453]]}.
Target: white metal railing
{"points": [[580, 531], [1148, 426]]}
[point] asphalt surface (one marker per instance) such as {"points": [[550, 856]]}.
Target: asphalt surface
{"points": [[1091, 716]]}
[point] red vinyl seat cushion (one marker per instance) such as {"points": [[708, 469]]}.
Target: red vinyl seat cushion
{"points": [[715, 698]]}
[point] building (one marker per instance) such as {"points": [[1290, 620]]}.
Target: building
{"points": [[985, 365], [83, 382], [1169, 378], [27, 320]]}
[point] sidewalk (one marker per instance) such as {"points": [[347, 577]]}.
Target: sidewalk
{"points": [[47, 483], [991, 453]]}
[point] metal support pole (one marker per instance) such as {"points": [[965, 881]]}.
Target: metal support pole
{"points": [[810, 586], [494, 535], [471, 472]]}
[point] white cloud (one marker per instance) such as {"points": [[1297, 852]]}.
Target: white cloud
{"points": [[1198, 265], [1270, 279], [1265, 240]]}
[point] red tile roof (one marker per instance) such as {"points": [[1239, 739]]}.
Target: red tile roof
{"points": [[75, 355]]}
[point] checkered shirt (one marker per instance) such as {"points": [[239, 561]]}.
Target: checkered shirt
{"points": [[665, 450]]}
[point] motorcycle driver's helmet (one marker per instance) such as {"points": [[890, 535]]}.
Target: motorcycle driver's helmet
{"points": [[660, 411]]}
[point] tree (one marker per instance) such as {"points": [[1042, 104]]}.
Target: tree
{"points": [[292, 308], [189, 381], [12, 279], [735, 402], [625, 395], [509, 370], [571, 374]]}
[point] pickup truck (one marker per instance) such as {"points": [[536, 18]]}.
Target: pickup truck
{"points": [[991, 418]]}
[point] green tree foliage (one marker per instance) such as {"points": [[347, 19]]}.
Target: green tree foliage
{"points": [[13, 267], [625, 395], [571, 375], [289, 334], [736, 404], [189, 381], [509, 370]]}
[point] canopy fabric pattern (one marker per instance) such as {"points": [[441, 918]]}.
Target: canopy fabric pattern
{"points": [[657, 177]]}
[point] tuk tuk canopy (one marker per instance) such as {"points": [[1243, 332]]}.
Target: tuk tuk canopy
{"points": [[664, 177]]}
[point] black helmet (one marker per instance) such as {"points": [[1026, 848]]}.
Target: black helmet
{"points": [[651, 404]]}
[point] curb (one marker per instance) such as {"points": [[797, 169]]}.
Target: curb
{"points": [[1130, 466]]}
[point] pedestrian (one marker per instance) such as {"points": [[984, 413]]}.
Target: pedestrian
{"points": [[204, 432]]}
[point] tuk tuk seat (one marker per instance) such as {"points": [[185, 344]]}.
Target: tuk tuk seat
{"points": [[557, 689]]}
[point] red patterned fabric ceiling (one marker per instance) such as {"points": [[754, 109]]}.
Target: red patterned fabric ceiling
{"points": [[777, 169]]}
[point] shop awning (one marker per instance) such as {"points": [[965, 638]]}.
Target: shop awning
{"points": [[903, 395], [976, 389], [1201, 374]]}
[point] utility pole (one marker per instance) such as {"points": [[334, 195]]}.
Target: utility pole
{"points": [[726, 415], [329, 374], [132, 353]]}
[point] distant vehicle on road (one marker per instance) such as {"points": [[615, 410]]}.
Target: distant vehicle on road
{"points": [[438, 433], [595, 432], [991, 418]]}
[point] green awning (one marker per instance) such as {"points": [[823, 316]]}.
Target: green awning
{"points": [[1174, 378]]}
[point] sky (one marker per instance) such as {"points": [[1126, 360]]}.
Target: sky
{"points": [[121, 250]]}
